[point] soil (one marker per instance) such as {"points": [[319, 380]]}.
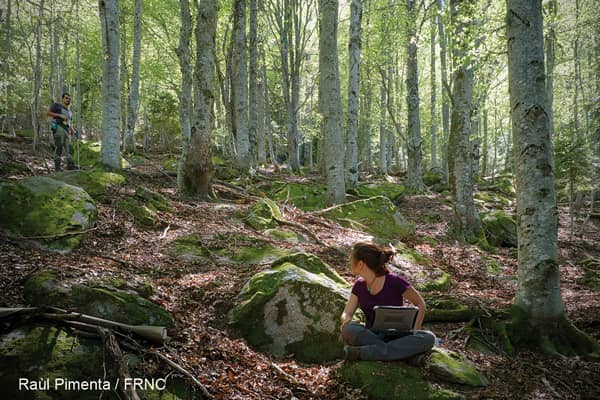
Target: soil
{"points": [[199, 296]]}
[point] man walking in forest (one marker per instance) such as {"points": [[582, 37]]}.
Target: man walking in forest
{"points": [[62, 131]]}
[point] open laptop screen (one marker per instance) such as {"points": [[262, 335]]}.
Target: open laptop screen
{"points": [[396, 318]]}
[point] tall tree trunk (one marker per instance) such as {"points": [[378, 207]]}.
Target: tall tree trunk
{"points": [[198, 168], [414, 145], [132, 105], [240, 86], [268, 127], [466, 224], [124, 69], [445, 91], [539, 314], [383, 131], [253, 88], [37, 80], [260, 109], [79, 99], [111, 82], [10, 119], [185, 94], [365, 151], [330, 102], [353, 95], [434, 120], [550, 48], [485, 147]]}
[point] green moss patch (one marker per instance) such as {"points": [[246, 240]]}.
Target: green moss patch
{"points": [[263, 214], [285, 235], [431, 178], [307, 197], [377, 216], [227, 249], [451, 367], [142, 215], [500, 229], [444, 308], [391, 380], [392, 191], [293, 309], [94, 181], [94, 298], [48, 211], [153, 200], [90, 156]]}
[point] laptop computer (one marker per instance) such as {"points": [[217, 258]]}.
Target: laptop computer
{"points": [[394, 318]]}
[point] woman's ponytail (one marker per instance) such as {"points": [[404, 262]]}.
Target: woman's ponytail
{"points": [[376, 257]]}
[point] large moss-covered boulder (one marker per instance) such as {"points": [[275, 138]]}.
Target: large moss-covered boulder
{"points": [[48, 211], [445, 308], [43, 355], [226, 249], [377, 216], [153, 200], [88, 155], [452, 367], [143, 215], [419, 271], [94, 181], [293, 308], [263, 214], [392, 191], [392, 380], [285, 235], [500, 229], [305, 196], [100, 299]]}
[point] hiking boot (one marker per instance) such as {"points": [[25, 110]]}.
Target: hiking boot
{"points": [[351, 353]]}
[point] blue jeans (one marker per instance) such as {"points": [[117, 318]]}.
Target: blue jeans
{"points": [[373, 345]]}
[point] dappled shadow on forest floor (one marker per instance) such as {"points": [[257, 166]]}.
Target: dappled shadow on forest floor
{"points": [[200, 295]]}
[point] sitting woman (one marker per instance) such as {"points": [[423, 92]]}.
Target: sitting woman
{"points": [[378, 286]]}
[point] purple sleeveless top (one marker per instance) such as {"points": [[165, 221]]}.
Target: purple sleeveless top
{"points": [[390, 295]]}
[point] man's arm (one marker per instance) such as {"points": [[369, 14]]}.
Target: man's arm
{"points": [[54, 114]]}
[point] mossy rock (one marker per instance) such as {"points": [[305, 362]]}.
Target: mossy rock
{"points": [[285, 234], [377, 216], [391, 380], [420, 272], [445, 308], [438, 281], [392, 191], [142, 215], [136, 159], [90, 156], [99, 300], [432, 178], [41, 352], [293, 310], [452, 367], [591, 274], [94, 181], [47, 210], [263, 214], [153, 200], [226, 249], [307, 197], [502, 184], [500, 229], [10, 167], [495, 199], [170, 165]]}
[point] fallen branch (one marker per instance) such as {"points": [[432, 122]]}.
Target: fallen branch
{"points": [[112, 346], [59, 235], [118, 260]]}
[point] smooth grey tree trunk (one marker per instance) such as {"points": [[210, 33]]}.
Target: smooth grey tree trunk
{"points": [[253, 83], [10, 119], [445, 86], [538, 288], [330, 102], [111, 82], [132, 104], [79, 99], [260, 109], [37, 80], [383, 131], [185, 94], [466, 223], [239, 85], [414, 146], [550, 51], [198, 168], [353, 95], [124, 69], [433, 129], [268, 127], [485, 147]]}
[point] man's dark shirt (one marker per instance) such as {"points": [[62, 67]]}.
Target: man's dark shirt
{"points": [[59, 109]]}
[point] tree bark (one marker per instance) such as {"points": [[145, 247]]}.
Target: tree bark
{"points": [[185, 94], [466, 224], [445, 92], [253, 84], [433, 130], [198, 168], [9, 118], [37, 80], [383, 131], [111, 82], [353, 95], [330, 102], [550, 48], [414, 146], [240, 86], [132, 104]]}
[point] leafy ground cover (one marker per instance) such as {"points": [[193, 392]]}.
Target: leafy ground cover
{"points": [[200, 294]]}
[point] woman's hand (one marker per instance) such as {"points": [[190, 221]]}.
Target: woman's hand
{"points": [[349, 310], [415, 298]]}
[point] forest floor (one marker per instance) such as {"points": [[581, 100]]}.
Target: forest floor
{"points": [[199, 296]]}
